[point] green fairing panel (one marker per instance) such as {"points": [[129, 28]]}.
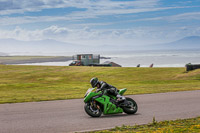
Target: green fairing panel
{"points": [[109, 108], [121, 91], [90, 95]]}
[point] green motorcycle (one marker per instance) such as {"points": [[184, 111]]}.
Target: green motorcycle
{"points": [[97, 103]]}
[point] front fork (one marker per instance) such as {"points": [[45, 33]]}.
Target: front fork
{"points": [[94, 104]]}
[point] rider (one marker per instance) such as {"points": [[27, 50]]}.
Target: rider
{"points": [[107, 88]]}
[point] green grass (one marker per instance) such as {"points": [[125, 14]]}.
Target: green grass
{"points": [[178, 126], [40, 83]]}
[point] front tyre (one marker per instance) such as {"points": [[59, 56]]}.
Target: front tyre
{"points": [[132, 106], [92, 111]]}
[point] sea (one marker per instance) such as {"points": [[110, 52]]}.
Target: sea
{"points": [[159, 58]]}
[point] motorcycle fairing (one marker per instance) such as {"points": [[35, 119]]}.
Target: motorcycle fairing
{"points": [[121, 91], [109, 108]]}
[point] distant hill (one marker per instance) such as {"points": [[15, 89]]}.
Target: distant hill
{"points": [[52, 46], [43, 46], [191, 42]]}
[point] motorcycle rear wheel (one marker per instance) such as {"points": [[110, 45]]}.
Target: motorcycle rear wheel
{"points": [[132, 109], [91, 111]]}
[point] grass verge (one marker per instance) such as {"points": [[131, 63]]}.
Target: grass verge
{"points": [[41, 83], [191, 125]]}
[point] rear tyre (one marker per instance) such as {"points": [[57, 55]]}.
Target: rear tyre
{"points": [[131, 108], [92, 111]]}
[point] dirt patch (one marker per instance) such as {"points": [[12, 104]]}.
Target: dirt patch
{"points": [[188, 74]]}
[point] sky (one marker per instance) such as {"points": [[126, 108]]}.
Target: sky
{"points": [[100, 22]]}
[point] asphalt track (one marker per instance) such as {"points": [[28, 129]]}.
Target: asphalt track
{"points": [[68, 115]]}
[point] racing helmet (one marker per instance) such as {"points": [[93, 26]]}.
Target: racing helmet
{"points": [[94, 81]]}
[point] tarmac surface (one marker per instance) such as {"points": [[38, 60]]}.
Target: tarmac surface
{"points": [[65, 116]]}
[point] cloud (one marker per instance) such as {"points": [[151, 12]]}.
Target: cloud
{"points": [[173, 18], [93, 9], [88, 36], [94, 14], [13, 12], [185, 16], [21, 6], [52, 32]]}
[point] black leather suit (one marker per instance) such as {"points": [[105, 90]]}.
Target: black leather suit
{"points": [[107, 88]]}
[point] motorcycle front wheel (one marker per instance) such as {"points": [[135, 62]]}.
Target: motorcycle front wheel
{"points": [[92, 111], [132, 106]]}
